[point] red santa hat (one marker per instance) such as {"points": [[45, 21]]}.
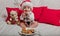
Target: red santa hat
{"points": [[26, 3]]}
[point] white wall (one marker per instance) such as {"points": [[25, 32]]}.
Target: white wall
{"points": [[55, 4], [50, 3], [10, 3]]}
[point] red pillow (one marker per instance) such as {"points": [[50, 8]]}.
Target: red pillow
{"points": [[37, 12], [15, 9], [50, 16]]}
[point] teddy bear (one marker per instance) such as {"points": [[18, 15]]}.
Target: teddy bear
{"points": [[13, 18]]}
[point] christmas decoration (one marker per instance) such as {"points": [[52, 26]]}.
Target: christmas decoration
{"points": [[13, 18]]}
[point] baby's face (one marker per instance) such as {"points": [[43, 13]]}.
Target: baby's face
{"points": [[27, 9]]}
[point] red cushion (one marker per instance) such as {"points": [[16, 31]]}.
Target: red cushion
{"points": [[50, 16], [15, 9], [37, 12]]}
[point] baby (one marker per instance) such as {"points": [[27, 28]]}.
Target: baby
{"points": [[27, 17]]}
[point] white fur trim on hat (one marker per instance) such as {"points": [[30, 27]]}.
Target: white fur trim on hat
{"points": [[27, 4]]}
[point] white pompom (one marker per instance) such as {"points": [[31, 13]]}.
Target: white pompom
{"points": [[10, 19]]}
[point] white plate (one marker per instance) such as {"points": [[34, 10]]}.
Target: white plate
{"points": [[25, 34]]}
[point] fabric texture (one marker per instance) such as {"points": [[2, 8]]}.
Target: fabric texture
{"points": [[37, 12], [50, 16]]}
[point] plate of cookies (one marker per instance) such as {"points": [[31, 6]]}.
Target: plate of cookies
{"points": [[27, 31]]}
